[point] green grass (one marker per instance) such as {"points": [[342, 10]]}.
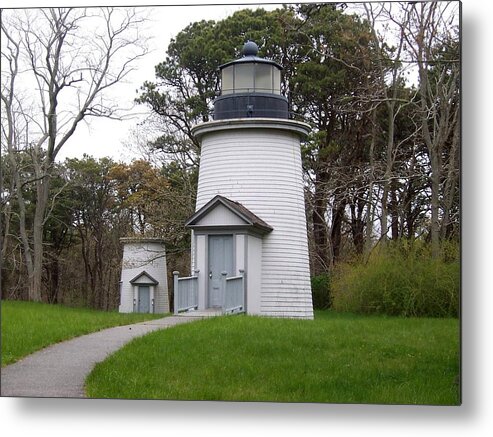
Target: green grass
{"points": [[338, 358], [29, 326]]}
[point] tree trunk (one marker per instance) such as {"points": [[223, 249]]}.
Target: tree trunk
{"points": [[35, 284], [394, 211], [336, 232], [358, 226], [387, 179], [370, 209], [26, 248], [435, 190], [320, 232], [433, 153], [428, 114], [451, 184], [54, 277]]}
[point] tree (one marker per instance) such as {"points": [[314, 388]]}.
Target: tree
{"points": [[330, 91], [142, 191], [431, 34], [389, 68], [98, 224], [70, 57]]}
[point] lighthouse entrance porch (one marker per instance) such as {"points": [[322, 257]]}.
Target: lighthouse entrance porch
{"points": [[219, 282], [226, 258]]}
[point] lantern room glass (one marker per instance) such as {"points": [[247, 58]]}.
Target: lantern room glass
{"points": [[227, 80], [276, 80], [250, 77], [263, 78], [244, 74]]}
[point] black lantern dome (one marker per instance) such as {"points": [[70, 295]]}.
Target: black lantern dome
{"points": [[250, 87], [250, 49]]}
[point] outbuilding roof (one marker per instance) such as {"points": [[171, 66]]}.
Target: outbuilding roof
{"points": [[150, 279], [142, 240]]}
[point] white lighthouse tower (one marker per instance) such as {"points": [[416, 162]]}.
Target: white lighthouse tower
{"points": [[250, 214]]}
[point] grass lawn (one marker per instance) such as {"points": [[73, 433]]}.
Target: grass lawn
{"points": [[339, 358], [29, 326]]}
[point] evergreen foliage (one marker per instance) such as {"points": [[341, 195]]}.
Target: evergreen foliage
{"points": [[321, 291]]}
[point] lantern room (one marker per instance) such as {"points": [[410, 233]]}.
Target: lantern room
{"points": [[250, 87]]}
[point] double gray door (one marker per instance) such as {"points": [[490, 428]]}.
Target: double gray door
{"points": [[144, 299], [220, 260]]}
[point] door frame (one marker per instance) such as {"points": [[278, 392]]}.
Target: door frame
{"points": [[148, 291], [218, 233], [152, 302]]}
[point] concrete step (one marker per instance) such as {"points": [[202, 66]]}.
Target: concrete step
{"points": [[209, 312]]}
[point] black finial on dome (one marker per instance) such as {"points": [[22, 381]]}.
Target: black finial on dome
{"points": [[250, 49]]}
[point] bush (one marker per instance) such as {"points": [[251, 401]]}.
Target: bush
{"points": [[399, 281], [321, 291]]}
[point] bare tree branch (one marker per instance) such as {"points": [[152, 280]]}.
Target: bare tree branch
{"points": [[65, 66]]}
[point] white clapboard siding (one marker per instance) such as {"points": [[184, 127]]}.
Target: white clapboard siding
{"points": [[147, 255], [260, 167]]}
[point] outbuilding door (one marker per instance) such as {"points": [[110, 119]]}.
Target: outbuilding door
{"points": [[144, 300], [220, 260]]}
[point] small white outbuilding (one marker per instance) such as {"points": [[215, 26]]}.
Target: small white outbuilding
{"points": [[144, 280]]}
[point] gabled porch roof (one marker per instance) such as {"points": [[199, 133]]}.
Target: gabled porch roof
{"points": [[247, 218], [144, 278]]}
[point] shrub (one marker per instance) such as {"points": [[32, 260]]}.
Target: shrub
{"points": [[399, 281], [321, 291]]}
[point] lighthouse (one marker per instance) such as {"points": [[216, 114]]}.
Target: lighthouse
{"points": [[249, 237]]}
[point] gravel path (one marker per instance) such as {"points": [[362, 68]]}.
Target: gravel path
{"points": [[61, 369]]}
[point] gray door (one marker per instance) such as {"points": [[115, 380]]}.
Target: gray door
{"points": [[144, 303], [220, 260]]}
